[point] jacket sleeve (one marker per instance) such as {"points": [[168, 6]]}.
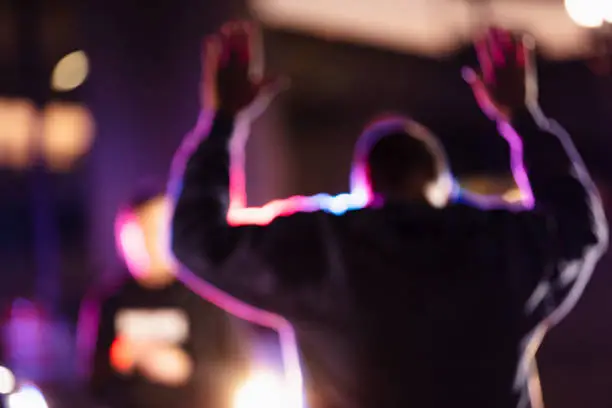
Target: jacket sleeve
{"points": [[566, 231], [258, 265]]}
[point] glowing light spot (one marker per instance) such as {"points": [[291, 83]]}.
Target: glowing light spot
{"points": [[150, 326], [340, 203], [131, 245], [514, 196], [586, 13], [67, 134], [28, 396], [606, 9], [262, 389], [18, 121], [167, 365], [70, 72], [122, 355], [7, 381]]}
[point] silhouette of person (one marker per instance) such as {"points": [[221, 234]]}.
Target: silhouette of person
{"points": [[424, 297], [150, 341]]}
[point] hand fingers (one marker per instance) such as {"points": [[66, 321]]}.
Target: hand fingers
{"points": [[484, 59], [236, 27], [503, 38], [474, 80], [237, 36], [267, 90], [531, 74], [495, 47], [469, 75], [229, 43], [520, 54], [528, 47], [256, 54], [274, 85], [481, 93], [210, 57]]}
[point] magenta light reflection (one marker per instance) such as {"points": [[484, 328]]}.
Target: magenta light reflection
{"points": [[517, 164]]}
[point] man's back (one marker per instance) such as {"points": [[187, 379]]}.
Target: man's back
{"points": [[420, 295]]}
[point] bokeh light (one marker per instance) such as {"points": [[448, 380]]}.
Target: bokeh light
{"points": [[70, 72], [28, 396], [7, 381], [18, 124], [586, 13], [261, 389], [67, 134], [606, 9], [168, 365]]}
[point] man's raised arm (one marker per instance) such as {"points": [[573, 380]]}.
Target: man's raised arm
{"points": [[567, 223], [202, 199], [201, 237], [563, 191], [253, 263]]}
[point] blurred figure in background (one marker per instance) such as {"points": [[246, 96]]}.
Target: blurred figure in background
{"points": [[149, 341], [402, 303]]}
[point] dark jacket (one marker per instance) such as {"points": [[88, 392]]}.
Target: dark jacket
{"points": [[405, 305], [212, 342]]}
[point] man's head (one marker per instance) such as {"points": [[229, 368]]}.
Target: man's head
{"points": [[142, 233], [399, 160]]}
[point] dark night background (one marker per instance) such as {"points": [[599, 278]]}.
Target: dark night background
{"points": [[143, 92]]}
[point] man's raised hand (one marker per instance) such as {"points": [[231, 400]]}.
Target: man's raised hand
{"points": [[232, 72], [507, 80]]}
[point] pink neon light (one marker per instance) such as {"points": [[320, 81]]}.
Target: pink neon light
{"points": [[517, 164]]}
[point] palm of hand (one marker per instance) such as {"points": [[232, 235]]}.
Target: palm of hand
{"points": [[228, 83], [503, 62]]}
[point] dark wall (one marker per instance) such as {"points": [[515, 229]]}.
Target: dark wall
{"points": [[144, 94], [576, 357]]}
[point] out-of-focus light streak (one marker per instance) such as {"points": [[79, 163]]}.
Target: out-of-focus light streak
{"points": [[433, 27], [70, 72], [388, 23]]}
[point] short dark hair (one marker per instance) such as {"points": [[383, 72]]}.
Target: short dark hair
{"points": [[396, 156]]}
